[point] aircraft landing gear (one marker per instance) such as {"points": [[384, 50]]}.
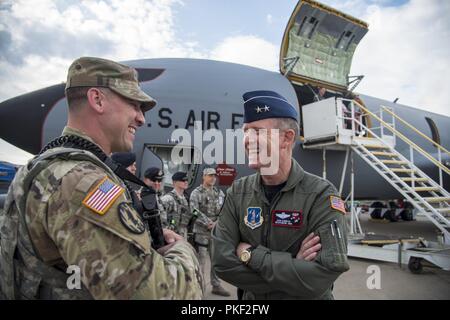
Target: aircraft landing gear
{"points": [[415, 265]]}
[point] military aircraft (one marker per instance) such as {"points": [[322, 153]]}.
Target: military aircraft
{"points": [[316, 51]]}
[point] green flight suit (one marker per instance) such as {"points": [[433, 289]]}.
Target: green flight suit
{"points": [[311, 204]]}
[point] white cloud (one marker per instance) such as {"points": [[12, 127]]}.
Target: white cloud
{"points": [[414, 58], [406, 52], [249, 50], [36, 72], [38, 45]]}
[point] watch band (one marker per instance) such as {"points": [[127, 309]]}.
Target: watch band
{"points": [[250, 249]]}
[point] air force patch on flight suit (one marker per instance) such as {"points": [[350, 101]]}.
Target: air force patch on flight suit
{"points": [[253, 219]]}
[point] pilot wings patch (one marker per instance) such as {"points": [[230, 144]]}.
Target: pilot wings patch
{"points": [[287, 218], [103, 196]]}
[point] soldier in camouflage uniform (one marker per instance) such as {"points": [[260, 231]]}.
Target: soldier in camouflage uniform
{"points": [[177, 206], [153, 177], [67, 207], [206, 202]]}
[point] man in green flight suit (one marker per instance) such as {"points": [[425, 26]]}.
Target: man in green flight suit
{"points": [[281, 234]]}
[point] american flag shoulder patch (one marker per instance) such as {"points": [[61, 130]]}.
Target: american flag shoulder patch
{"points": [[103, 196], [338, 204]]}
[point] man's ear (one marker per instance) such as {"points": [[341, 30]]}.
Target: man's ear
{"points": [[289, 137], [96, 99]]}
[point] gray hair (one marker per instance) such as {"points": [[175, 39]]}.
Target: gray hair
{"points": [[286, 124]]}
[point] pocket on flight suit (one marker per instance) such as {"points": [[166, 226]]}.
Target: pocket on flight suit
{"points": [[333, 254]]}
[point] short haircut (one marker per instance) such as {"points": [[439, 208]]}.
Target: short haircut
{"points": [[288, 123], [76, 96]]}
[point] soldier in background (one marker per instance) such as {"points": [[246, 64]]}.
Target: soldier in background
{"points": [[153, 177], [321, 91], [206, 202], [177, 206], [128, 160]]}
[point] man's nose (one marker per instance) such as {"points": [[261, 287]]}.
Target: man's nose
{"points": [[140, 118]]}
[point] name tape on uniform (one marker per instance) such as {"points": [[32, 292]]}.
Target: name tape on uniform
{"points": [[103, 196], [287, 218]]}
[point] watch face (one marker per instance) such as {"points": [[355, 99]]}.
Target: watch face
{"points": [[245, 256]]}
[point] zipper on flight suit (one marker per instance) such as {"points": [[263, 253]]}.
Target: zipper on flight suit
{"points": [[268, 218]]}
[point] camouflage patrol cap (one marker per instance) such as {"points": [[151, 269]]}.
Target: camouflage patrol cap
{"points": [[208, 171], [97, 72]]}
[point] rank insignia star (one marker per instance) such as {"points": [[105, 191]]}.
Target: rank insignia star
{"points": [[266, 108], [258, 110]]}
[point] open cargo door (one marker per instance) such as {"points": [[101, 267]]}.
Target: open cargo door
{"points": [[318, 45]]}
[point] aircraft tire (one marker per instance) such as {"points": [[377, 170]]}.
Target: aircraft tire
{"points": [[415, 265]]}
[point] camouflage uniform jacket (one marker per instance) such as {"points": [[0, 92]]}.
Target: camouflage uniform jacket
{"points": [[306, 204], [52, 225], [162, 210], [177, 208], [208, 202]]}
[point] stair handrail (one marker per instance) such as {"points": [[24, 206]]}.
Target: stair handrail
{"points": [[408, 141], [415, 130], [399, 155]]}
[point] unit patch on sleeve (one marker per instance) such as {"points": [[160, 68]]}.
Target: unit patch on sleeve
{"points": [[130, 219], [337, 204], [103, 196], [287, 218]]}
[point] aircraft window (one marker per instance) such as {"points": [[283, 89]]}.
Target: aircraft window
{"points": [[349, 43], [301, 25], [307, 27], [164, 153], [345, 40], [434, 130], [338, 43]]}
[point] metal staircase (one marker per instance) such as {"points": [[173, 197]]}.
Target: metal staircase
{"points": [[426, 195], [347, 125]]}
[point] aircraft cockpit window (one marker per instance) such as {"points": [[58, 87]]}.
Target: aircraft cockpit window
{"points": [[161, 156]]}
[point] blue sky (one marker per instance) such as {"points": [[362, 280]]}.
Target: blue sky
{"points": [[233, 17], [405, 54]]}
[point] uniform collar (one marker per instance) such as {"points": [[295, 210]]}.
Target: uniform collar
{"points": [[68, 131], [202, 187], [295, 177]]}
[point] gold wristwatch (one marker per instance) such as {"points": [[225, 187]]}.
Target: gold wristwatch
{"points": [[246, 255]]}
